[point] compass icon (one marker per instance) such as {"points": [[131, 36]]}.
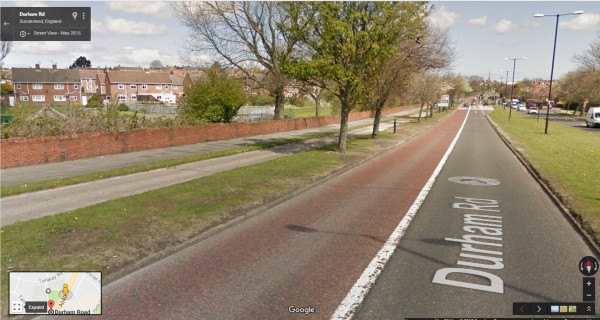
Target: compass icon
{"points": [[588, 266]]}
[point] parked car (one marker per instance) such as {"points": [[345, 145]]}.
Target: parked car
{"points": [[533, 110], [522, 108], [593, 117]]}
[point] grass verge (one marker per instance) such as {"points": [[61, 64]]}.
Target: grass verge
{"points": [[118, 234], [566, 157]]}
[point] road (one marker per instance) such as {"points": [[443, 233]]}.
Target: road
{"points": [[532, 255], [306, 252], [565, 120]]}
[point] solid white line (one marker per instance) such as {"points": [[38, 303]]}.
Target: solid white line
{"points": [[357, 294]]}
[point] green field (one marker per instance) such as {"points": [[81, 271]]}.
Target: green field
{"points": [[568, 158]]}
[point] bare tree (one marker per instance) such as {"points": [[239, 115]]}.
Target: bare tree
{"points": [[6, 46], [581, 86], [433, 51], [243, 35], [426, 89], [590, 59]]}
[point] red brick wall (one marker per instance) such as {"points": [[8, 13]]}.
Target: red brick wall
{"points": [[19, 152]]}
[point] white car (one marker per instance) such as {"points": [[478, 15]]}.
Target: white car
{"points": [[522, 108], [533, 110]]}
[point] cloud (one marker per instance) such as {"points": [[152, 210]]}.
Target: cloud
{"points": [[482, 21], [143, 57], [532, 24], [443, 18], [30, 4], [158, 9], [39, 47], [583, 22], [98, 28], [503, 26], [136, 28]]}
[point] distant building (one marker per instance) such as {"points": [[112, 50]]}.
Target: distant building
{"points": [[139, 86]]}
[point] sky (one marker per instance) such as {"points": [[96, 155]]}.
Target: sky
{"points": [[134, 33]]}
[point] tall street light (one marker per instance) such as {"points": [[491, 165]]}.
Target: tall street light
{"points": [[539, 15], [512, 88], [505, 88]]}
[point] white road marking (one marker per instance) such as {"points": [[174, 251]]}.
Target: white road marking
{"points": [[358, 292]]}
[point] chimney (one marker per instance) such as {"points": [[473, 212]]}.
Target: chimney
{"points": [[54, 66], [37, 66]]}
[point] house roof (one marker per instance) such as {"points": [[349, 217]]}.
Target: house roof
{"points": [[138, 77], [102, 77], [177, 80], [88, 73], [32, 75]]}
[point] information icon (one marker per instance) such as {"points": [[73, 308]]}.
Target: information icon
{"points": [[588, 266]]}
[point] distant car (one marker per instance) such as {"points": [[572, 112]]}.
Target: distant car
{"points": [[522, 108], [533, 110]]}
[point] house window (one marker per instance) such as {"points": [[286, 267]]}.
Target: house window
{"points": [[37, 86], [174, 87], [60, 98], [159, 86], [18, 86], [167, 87], [121, 97], [24, 98], [59, 86], [133, 97], [89, 88], [133, 86], [73, 98], [76, 86], [38, 98], [89, 82], [145, 87], [121, 86]]}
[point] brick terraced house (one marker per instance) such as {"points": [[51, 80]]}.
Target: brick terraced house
{"points": [[43, 86], [133, 86]]}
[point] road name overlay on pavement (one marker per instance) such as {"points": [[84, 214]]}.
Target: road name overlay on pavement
{"points": [[485, 231]]}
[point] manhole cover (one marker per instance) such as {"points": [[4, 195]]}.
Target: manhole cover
{"points": [[475, 181]]}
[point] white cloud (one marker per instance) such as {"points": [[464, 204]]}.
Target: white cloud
{"points": [[443, 18], [39, 48], [30, 4], [532, 24], [503, 26], [583, 22], [143, 57], [97, 28], [158, 9], [482, 21], [136, 28]]}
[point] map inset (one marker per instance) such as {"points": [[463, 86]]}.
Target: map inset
{"points": [[56, 293]]}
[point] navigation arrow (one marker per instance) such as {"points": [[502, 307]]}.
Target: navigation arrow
{"points": [[539, 309]]}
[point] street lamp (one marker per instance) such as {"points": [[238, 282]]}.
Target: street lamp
{"points": [[512, 87], [505, 88], [539, 15]]}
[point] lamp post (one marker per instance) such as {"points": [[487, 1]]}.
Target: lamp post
{"points": [[501, 82], [512, 88], [539, 15]]}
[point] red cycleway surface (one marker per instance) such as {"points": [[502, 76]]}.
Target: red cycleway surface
{"points": [[308, 251]]}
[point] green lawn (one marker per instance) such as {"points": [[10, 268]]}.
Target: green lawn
{"points": [[569, 158], [305, 112]]}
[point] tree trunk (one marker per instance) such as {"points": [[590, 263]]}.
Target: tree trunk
{"points": [[585, 102], [317, 105], [420, 111], [278, 94], [343, 127], [376, 122]]}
